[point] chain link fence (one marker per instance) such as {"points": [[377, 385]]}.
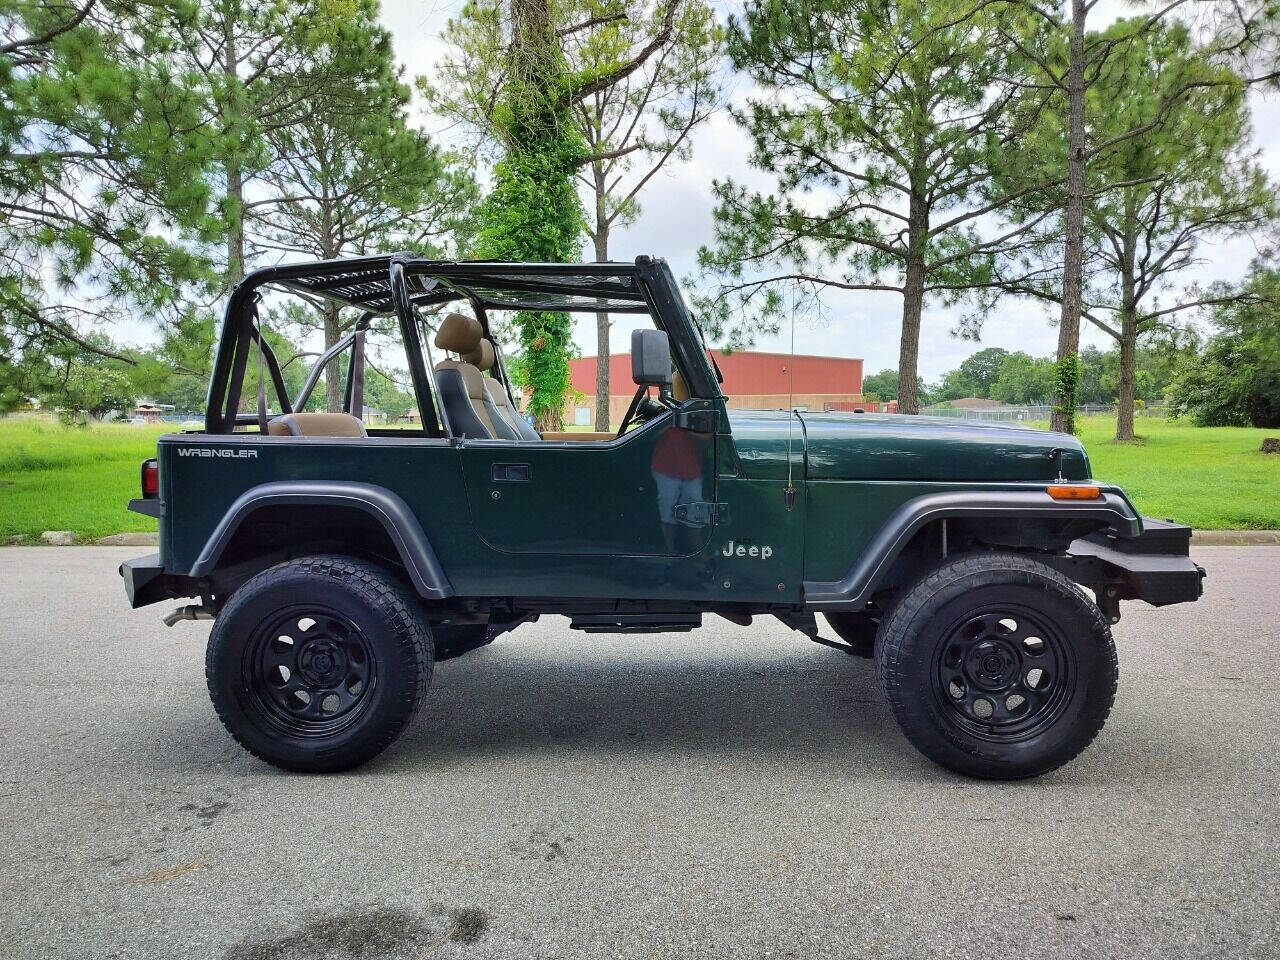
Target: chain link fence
{"points": [[1032, 413]]}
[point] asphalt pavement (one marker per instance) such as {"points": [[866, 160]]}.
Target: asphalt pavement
{"points": [[732, 792]]}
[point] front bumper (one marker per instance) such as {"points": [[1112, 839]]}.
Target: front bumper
{"points": [[1155, 566]]}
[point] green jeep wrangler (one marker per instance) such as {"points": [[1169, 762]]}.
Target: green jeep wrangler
{"points": [[338, 563]]}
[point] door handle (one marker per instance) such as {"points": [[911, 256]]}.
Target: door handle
{"points": [[511, 473]]}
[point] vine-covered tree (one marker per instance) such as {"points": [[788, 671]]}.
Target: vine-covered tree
{"points": [[882, 123], [566, 90]]}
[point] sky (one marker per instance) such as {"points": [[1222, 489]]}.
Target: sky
{"points": [[676, 218]]}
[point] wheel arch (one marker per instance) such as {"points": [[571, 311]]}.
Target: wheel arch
{"points": [[394, 517], [985, 516]]}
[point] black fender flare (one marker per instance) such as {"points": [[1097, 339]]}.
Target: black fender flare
{"points": [[854, 589], [415, 550]]}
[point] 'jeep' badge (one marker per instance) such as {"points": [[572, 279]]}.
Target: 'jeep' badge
{"points": [[732, 549]]}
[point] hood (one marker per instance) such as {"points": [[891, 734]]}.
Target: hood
{"points": [[872, 446]]}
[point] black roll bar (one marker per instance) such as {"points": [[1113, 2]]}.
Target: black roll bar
{"points": [[435, 419]]}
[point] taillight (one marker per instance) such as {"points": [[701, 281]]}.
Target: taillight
{"points": [[150, 479]]}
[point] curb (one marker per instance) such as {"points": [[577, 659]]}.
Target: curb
{"points": [[1235, 538], [129, 540]]}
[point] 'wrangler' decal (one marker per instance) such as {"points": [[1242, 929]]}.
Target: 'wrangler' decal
{"points": [[216, 452]]}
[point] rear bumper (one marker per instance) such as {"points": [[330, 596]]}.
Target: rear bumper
{"points": [[146, 582], [1155, 567]]}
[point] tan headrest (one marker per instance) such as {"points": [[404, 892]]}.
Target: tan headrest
{"points": [[459, 333], [482, 356], [679, 389], [316, 425]]}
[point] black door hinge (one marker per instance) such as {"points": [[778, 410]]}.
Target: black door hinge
{"points": [[699, 421], [702, 514]]}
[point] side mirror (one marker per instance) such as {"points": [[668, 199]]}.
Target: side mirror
{"points": [[650, 358]]}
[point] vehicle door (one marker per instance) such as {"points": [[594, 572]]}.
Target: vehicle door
{"points": [[648, 494]]}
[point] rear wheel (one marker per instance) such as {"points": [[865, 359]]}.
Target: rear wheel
{"points": [[317, 664], [997, 666]]}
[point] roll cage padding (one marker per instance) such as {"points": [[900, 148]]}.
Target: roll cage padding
{"points": [[387, 508], [854, 590]]}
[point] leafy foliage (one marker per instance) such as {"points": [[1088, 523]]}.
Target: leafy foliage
{"points": [[510, 77], [1237, 380]]}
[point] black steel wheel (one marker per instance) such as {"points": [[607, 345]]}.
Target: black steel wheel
{"points": [[318, 664], [309, 670], [1005, 673], [995, 665]]}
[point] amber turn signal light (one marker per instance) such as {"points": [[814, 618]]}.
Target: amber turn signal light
{"points": [[1075, 492]]}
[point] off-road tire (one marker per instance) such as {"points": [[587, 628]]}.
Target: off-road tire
{"points": [[944, 621], [858, 630], [392, 645]]}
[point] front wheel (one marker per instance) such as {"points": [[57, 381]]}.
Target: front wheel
{"points": [[997, 666], [317, 664]]}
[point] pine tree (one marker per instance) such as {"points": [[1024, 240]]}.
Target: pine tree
{"points": [[883, 123], [103, 177], [359, 180]]}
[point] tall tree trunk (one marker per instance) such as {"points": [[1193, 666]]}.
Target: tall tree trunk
{"points": [[1063, 417], [333, 371], [1128, 373], [601, 237], [1128, 323], [329, 249], [909, 344], [912, 309], [235, 175]]}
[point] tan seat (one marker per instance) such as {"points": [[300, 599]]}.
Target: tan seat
{"points": [[484, 357], [316, 425], [462, 387]]}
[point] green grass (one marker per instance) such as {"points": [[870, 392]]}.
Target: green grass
{"points": [[1212, 478], [69, 478]]}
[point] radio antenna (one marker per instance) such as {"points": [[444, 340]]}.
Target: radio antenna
{"points": [[789, 493]]}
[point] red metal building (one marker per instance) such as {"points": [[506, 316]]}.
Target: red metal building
{"points": [[762, 381]]}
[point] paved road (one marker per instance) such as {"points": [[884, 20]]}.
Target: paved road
{"points": [[726, 793]]}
